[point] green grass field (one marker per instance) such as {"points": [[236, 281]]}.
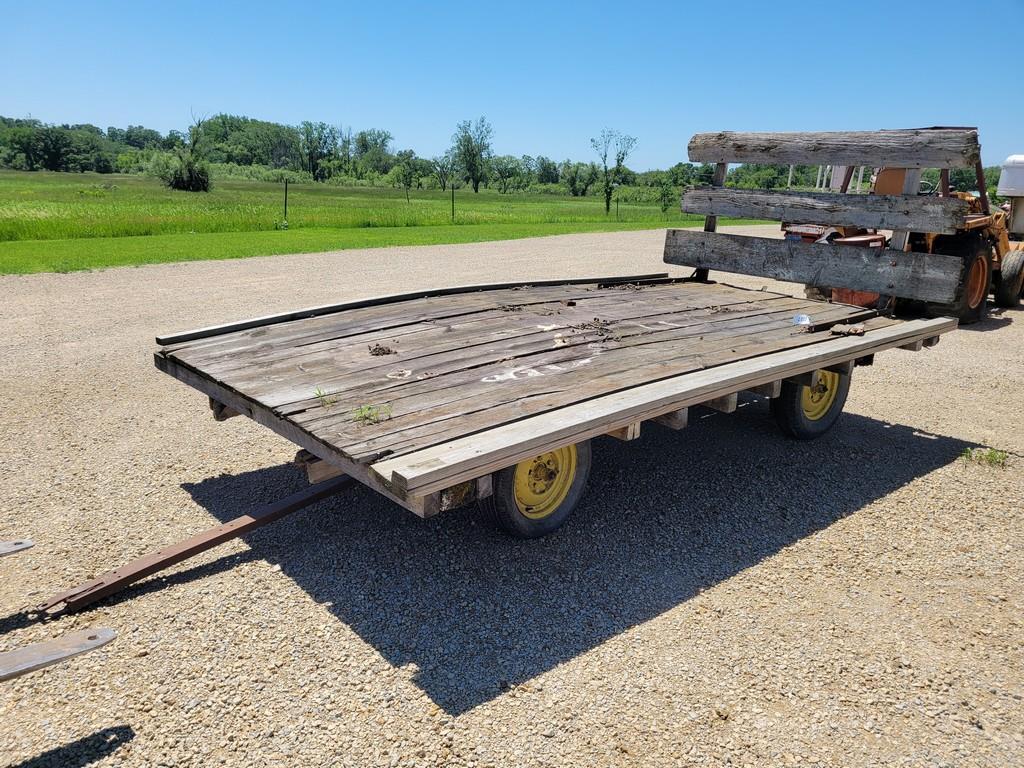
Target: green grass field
{"points": [[58, 222]]}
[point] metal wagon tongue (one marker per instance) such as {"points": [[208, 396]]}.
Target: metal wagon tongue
{"points": [[117, 579]]}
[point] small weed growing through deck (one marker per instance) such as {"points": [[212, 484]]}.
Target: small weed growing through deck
{"points": [[371, 414], [377, 350], [992, 457], [326, 401]]}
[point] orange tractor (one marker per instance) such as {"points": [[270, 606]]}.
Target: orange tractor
{"points": [[989, 242]]}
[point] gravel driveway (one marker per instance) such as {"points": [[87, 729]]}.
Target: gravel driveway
{"points": [[723, 595]]}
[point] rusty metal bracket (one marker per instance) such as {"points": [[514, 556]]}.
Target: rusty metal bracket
{"points": [[119, 578], [29, 658]]}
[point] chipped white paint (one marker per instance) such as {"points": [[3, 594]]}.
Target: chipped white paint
{"points": [[525, 372]]}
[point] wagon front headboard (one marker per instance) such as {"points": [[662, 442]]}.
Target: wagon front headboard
{"points": [[890, 271]]}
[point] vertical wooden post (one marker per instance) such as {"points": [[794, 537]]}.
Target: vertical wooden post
{"points": [[979, 171], [911, 186], [711, 221], [860, 178], [789, 181], [286, 201], [453, 202], [847, 178]]}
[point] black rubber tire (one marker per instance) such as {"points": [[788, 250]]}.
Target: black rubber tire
{"points": [[1011, 280], [969, 247], [501, 509], [788, 411]]}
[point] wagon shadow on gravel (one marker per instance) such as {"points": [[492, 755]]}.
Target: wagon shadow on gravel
{"points": [[665, 517]]}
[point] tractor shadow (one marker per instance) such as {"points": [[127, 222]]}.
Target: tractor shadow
{"points": [[473, 612]]}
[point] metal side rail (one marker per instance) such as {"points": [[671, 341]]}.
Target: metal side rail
{"points": [[119, 578]]}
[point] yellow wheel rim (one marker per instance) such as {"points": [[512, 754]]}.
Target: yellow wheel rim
{"points": [[818, 398], [543, 482]]}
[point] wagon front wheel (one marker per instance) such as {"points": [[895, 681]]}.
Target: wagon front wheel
{"points": [[537, 495], [807, 411]]}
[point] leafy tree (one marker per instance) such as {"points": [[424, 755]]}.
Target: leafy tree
{"points": [[547, 170], [406, 170], [666, 193], [141, 137], [578, 177], [25, 145], [317, 142], [472, 148], [505, 169], [371, 150], [443, 169], [620, 145]]}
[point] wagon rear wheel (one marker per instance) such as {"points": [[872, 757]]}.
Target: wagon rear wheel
{"points": [[537, 495], [807, 411]]}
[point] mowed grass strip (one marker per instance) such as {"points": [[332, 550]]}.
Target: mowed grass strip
{"points": [[25, 257]]}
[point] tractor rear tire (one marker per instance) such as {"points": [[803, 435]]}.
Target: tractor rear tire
{"points": [[1011, 280], [971, 302]]}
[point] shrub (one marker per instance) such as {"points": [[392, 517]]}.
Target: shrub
{"points": [[188, 174]]}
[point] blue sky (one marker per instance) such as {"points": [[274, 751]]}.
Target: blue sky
{"points": [[546, 75]]}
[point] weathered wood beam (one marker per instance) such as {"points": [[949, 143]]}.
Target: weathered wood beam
{"points": [[916, 213], [926, 277], [629, 432], [914, 148], [676, 419], [723, 403], [772, 389]]}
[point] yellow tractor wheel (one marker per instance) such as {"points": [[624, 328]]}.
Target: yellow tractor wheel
{"points": [[536, 496], [808, 410]]}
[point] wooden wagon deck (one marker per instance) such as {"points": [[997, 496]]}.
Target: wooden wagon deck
{"points": [[388, 384]]}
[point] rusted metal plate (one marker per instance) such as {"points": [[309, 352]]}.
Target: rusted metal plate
{"points": [[12, 547], [29, 658]]}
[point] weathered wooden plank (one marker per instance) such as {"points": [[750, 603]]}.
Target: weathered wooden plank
{"points": [[283, 317], [723, 403], [490, 398], [290, 387], [418, 504], [912, 148], [474, 455], [926, 277], [772, 389], [922, 213], [629, 432], [677, 419]]}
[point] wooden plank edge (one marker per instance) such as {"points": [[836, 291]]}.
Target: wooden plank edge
{"points": [[419, 504], [326, 309], [424, 471]]}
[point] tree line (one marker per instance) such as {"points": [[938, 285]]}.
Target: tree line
{"points": [[242, 147], [236, 146]]}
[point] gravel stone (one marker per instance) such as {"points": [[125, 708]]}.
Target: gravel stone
{"points": [[723, 596]]}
